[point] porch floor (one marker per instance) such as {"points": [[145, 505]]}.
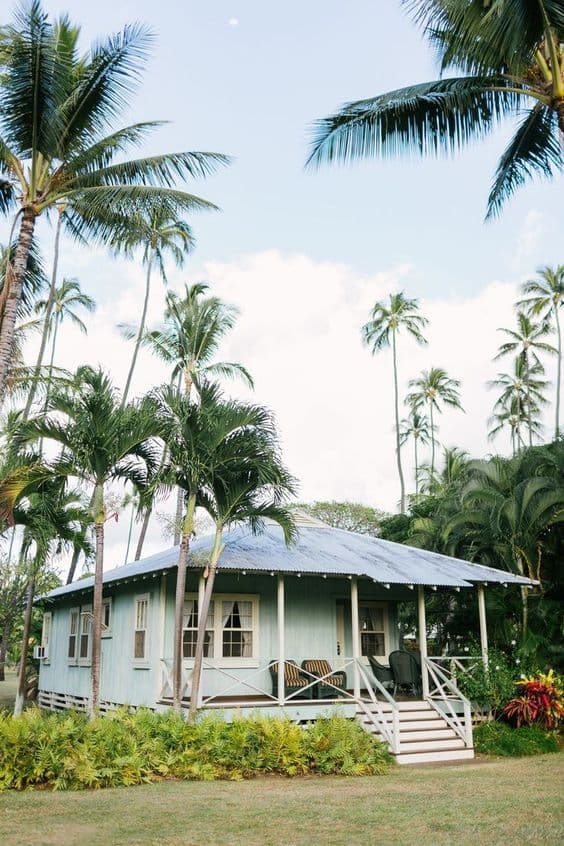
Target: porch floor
{"points": [[259, 700]]}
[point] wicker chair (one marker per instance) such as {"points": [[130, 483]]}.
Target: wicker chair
{"points": [[406, 671], [294, 681], [381, 673], [325, 688]]}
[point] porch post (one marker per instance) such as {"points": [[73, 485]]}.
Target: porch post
{"points": [[201, 592], [355, 636], [483, 625], [422, 639], [281, 644]]}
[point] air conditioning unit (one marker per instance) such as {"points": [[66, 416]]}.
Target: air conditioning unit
{"points": [[40, 652]]}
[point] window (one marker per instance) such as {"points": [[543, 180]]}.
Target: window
{"points": [[237, 628], [46, 634], [106, 618], [373, 620], [141, 622], [190, 630], [74, 622], [85, 636], [231, 628]]}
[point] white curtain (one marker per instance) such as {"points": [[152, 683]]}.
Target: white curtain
{"points": [[228, 608]]}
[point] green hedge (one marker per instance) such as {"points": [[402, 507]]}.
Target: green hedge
{"points": [[501, 739], [68, 752]]}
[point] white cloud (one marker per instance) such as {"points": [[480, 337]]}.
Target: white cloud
{"points": [[531, 234], [299, 336]]}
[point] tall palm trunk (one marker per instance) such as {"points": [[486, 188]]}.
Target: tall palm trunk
{"points": [[396, 406], [141, 331], [20, 691], [558, 370], [14, 282], [416, 465], [73, 565], [529, 403], [6, 631], [129, 533], [187, 528], [202, 622], [46, 321], [432, 441], [188, 384], [99, 517]]}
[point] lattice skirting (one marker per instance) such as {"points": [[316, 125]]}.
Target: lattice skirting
{"points": [[53, 701]]}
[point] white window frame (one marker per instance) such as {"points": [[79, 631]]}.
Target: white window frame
{"points": [[217, 659], [141, 663], [73, 660], [384, 606], [46, 635], [107, 603], [85, 620]]}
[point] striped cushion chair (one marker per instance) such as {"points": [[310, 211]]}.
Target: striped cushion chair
{"points": [[328, 687], [294, 680]]}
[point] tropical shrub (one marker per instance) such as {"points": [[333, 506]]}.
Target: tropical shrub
{"points": [[491, 689], [500, 739], [540, 701], [68, 752]]}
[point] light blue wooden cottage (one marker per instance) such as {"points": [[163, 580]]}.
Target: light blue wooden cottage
{"points": [[331, 598]]}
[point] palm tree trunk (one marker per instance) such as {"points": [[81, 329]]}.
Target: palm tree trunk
{"points": [[558, 371], [97, 600], [432, 441], [129, 533], [416, 466], [202, 622], [188, 383], [187, 528], [14, 281], [73, 564], [46, 321], [143, 533], [6, 631], [524, 611], [141, 331], [396, 406], [529, 413], [20, 691]]}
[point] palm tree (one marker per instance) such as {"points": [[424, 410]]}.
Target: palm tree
{"points": [[512, 414], [415, 426], [381, 331], [55, 109], [67, 299], [194, 325], [454, 469], [434, 388], [526, 341], [511, 405], [159, 234], [511, 56], [544, 297], [101, 441], [251, 486]]}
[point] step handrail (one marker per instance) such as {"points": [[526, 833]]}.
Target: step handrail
{"points": [[446, 691], [391, 733]]}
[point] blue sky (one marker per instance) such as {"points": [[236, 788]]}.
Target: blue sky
{"points": [[306, 254], [254, 88]]}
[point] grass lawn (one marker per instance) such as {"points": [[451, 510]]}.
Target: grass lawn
{"points": [[498, 802], [8, 690]]}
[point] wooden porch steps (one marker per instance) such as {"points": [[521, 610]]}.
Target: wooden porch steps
{"points": [[425, 736]]}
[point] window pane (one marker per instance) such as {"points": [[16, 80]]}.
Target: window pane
{"points": [[190, 619], [106, 614], [237, 644], [189, 643], [72, 646], [372, 643], [84, 646], [74, 622], [139, 644], [141, 616]]}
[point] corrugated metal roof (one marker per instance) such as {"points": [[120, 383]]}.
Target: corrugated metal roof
{"points": [[319, 550]]}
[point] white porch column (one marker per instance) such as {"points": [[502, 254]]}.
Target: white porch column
{"points": [[422, 639], [281, 639], [483, 625], [355, 621], [201, 592]]}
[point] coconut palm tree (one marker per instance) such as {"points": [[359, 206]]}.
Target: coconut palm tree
{"points": [[434, 388], [415, 426], [381, 331], [59, 148], [194, 325], [160, 236], [544, 298], [251, 486], [527, 340], [512, 403], [511, 58], [101, 441], [512, 415], [205, 439], [68, 298]]}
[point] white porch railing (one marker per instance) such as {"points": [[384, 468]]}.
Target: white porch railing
{"points": [[443, 689]]}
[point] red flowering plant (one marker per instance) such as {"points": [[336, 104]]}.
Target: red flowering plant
{"points": [[540, 701]]}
